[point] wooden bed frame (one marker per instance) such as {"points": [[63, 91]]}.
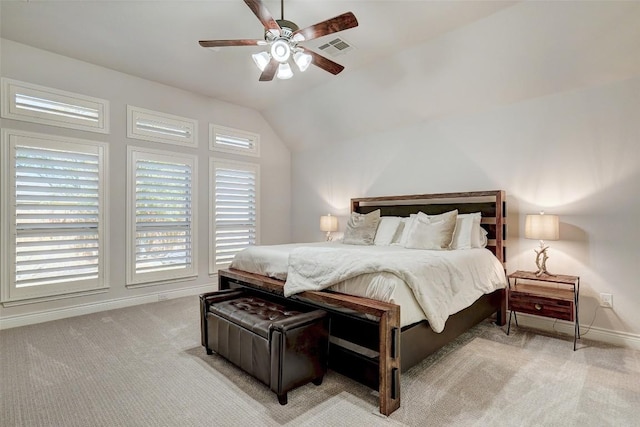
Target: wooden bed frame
{"points": [[366, 337]]}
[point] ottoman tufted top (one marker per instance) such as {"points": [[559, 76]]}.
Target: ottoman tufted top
{"points": [[252, 313]]}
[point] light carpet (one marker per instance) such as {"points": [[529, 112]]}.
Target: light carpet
{"points": [[144, 366]]}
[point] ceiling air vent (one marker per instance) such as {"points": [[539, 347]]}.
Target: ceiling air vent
{"points": [[336, 47]]}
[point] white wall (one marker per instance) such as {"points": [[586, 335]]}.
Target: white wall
{"points": [[574, 154], [31, 65]]}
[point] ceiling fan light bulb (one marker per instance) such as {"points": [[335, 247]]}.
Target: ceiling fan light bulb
{"points": [[302, 60], [284, 71], [280, 50], [261, 59]]}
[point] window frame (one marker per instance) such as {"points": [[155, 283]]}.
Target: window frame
{"points": [[214, 164], [10, 109], [134, 279], [215, 130], [133, 113], [10, 293]]}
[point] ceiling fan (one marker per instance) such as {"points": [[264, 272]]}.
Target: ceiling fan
{"points": [[282, 38]]}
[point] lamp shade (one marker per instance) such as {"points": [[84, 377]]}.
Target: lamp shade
{"points": [[261, 59], [328, 223], [284, 71], [542, 227], [302, 60]]}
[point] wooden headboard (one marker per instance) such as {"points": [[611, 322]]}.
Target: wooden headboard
{"points": [[491, 204]]}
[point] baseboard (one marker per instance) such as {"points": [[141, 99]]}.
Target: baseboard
{"points": [[95, 307], [608, 336]]}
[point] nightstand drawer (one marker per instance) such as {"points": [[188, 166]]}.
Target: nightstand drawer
{"points": [[541, 306]]}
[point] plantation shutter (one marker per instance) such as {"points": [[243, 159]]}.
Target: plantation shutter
{"points": [[235, 141], [40, 104], [235, 211], [57, 214], [163, 216], [161, 127]]}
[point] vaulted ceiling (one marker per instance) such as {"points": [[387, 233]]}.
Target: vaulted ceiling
{"points": [[158, 40], [411, 60]]}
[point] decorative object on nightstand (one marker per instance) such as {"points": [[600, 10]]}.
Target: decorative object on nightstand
{"points": [[328, 223], [542, 227], [554, 296]]}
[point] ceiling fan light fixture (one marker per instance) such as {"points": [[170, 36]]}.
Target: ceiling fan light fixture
{"points": [[284, 71], [280, 50], [302, 60], [261, 59]]}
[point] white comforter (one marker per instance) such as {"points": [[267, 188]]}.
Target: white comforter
{"points": [[435, 277], [442, 282]]}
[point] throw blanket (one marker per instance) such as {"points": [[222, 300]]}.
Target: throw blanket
{"points": [[432, 276]]}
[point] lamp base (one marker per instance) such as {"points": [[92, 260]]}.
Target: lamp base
{"points": [[540, 273], [541, 260], [329, 236]]}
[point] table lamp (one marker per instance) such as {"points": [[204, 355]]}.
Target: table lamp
{"points": [[328, 223], [542, 227]]}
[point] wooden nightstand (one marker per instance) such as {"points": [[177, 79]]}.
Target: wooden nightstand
{"points": [[549, 296]]}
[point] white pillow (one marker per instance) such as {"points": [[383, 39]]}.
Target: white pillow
{"points": [[361, 228], [467, 234], [399, 231], [432, 231], [482, 239], [407, 229], [387, 230]]}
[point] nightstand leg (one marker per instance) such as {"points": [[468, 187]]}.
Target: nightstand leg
{"points": [[576, 301], [576, 329], [577, 319], [511, 313], [576, 296]]}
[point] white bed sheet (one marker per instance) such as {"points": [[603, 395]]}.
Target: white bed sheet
{"points": [[273, 261]]}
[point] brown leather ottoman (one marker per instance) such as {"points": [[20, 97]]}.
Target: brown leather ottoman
{"points": [[282, 348]]}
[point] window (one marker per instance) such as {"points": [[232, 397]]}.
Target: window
{"points": [[233, 141], [54, 215], [160, 127], [39, 104], [161, 214], [234, 208]]}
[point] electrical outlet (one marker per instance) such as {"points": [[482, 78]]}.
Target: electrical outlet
{"points": [[606, 300], [163, 297]]}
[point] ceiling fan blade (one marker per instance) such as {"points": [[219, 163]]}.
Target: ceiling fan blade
{"points": [[330, 26], [324, 63], [263, 14], [269, 71], [223, 43]]}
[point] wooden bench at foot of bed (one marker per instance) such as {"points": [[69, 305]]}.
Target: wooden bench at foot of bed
{"points": [[389, 324]]}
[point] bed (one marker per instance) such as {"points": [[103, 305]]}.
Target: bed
{"points": [[370, 340]]}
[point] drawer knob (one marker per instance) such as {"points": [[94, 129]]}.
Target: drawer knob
{"points": [[538, 307]]}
